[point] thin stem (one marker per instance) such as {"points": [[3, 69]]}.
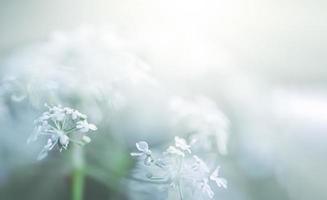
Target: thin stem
{"points": [[78, 184], [179, 183], [70, 130], [78, 173], [159, 182], [56, 124], [63, 123], [180, 191]]}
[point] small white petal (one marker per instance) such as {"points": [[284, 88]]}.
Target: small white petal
{"points": [[86, 139], [142, 146], [93, 127], [64, 140], [215, 173], [181, 143], [206, 188], [221, 182]]}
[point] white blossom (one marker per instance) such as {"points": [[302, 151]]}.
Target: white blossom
{"points": [[174, 151], [84, 126], [205, 188], [180, 147], [61, 126], [178, 167], [86, 139], [144, 152], [202, 117], [221, 182], [181, 143]]}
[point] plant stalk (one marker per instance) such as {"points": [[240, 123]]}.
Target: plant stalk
{"points": [[180, 191], [78, 173]]}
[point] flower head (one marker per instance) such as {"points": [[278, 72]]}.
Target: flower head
{"points": [[202, 117], [178, 167], [61, 125], [144, 152], [180, 147]]}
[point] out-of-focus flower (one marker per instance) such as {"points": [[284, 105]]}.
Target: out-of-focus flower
{"points": [[144, 152], [201, 117], [12, 87], [180, 147], [221, 182], [53, 70], [75, 113], [61, 126], [174, 151], [181, 143], [205, 188], [84, 126], [179, 168]]}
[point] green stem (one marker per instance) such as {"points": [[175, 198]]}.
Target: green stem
{"points": [[78, 173], [78, 184]]}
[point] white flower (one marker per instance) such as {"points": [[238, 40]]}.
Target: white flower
{"points": [[144, 152], [60, 127], [75, 114], [143, 147], [180, 147], [59, 116], [48, 147], [202, 117], [57, 112], [84, 126], [181, 143], [205, 188], [58, 138], [178, 168], [86, 139], [221, 182], [64, 140], [173, 150]]}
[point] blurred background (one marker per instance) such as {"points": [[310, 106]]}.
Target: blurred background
{"points": [[261, 62]]}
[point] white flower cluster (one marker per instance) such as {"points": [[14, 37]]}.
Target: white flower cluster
{"points": [[180, 168], [61, 125], [202, 117]]}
